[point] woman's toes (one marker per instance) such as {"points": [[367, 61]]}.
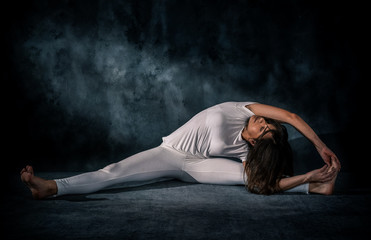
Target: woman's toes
{"points": [[25, 177], [30, 169]]}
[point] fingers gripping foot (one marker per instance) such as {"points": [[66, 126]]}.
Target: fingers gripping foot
{"points": [[326, 188]]}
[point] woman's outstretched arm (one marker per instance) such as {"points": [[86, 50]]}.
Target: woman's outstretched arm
{"points": [[321, 181], [298, 123], [321, 175]]}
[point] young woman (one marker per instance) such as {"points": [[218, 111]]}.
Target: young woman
{"points": [[203, 149]]}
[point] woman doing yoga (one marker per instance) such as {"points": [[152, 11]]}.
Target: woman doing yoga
{"points": [[202, 151]]}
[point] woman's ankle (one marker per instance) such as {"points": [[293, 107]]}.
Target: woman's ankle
{"points": [[42, 188], [52, 188]]}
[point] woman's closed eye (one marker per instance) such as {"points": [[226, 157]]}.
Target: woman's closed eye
{"points": [[262, 129]]}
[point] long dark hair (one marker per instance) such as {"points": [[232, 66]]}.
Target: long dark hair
{"points": [[269, 160]]}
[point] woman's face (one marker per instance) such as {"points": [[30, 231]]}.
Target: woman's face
{"points": [[255, 127]]}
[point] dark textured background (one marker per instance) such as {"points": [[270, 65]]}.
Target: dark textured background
{"points": [[87, 83], [92, 82]]}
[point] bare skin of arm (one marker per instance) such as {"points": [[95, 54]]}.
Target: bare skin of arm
{"points": [[320, 180], [298, 123]]}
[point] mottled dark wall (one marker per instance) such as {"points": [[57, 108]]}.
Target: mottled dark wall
{"points": [[92, 82]]}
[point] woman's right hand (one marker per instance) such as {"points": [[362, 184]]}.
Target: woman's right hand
{"points": [[322, 175]]}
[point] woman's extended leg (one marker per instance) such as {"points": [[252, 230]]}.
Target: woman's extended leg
{"points": [[222, 171], [148, 165], [214, 171]]}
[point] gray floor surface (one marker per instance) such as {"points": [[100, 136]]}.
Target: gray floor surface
{"points": [[177, 210]]}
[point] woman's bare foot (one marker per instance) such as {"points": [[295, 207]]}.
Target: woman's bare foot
{"points": [[40, 188], [326, 188]]}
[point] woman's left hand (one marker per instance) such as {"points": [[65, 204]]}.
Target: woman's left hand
{"points": [[330, 158]]}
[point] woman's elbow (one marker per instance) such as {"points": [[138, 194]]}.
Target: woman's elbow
{"points": [[292, 117]]}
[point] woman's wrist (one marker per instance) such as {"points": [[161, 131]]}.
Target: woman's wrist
{"points": [[307, 177], [318, 144], [290, 182]]}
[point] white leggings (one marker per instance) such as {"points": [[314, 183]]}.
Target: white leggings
{"points": [[157, 163]]}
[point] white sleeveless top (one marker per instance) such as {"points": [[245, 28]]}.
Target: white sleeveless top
{"points": [[214, 132]]}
